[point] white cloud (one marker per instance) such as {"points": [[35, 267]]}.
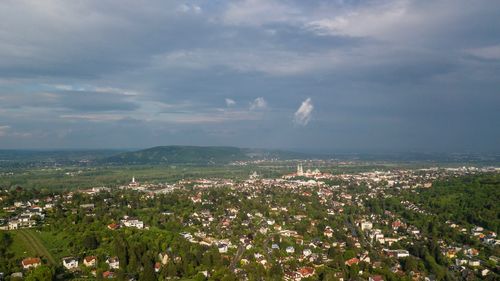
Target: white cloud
{"points": [[189, 8], [86, 88], [379, 21], [94, 117], [230, 102], [303, 115], [258, 103]]}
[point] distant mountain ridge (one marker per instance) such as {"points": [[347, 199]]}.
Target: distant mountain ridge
{"points": [[199, 155]]}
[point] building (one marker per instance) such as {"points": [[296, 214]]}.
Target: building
{"points": [[223, 247], [300, 170], [133, 183], [397, 253], [113, 263], [70, 263], [131, 222], [90, 261], [29, 263], [366, 225]]}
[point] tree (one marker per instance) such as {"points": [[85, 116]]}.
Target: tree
{"points": [[90, 242], [41, 273]]}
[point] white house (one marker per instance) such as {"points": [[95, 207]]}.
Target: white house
{"points": [[113, 263], [223, 248], [366, 225], [70, 263], [130, 222]]}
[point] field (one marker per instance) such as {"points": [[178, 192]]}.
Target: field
{"points": [[27, 243]]}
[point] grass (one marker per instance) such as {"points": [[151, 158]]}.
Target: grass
{"points": [[20, 246], [27, 243], [56, 244]]}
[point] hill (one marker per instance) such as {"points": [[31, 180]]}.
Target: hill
{"points": [[197, 155]]}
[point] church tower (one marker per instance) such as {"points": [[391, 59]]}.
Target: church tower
{"points": [[300, 170]]}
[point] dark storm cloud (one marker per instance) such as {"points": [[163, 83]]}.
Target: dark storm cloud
{"points": [[401, 74]]}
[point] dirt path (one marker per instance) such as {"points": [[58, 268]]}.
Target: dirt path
{"points": [[36, 244]]}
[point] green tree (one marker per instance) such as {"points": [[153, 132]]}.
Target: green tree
{"points": [[41, 273]]}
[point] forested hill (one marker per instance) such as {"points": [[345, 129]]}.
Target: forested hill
{"points": [[470, 200], [197, 155]]}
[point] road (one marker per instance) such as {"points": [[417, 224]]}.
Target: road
{"points": [[237, 257]]}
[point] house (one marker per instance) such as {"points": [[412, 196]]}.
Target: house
{"points": [[13, 224], [28, 263], [113, 262], [352, 261], [485, 272], [397, 253], [290, 249], [131, 222], [223, 248], [113, 226], [306, 271], [376, 278], [163, 258], [396, 225], [70, 263], [306, 252], [366, 225], [328, 232], [90, 261], [157, 267], [474, 263]]}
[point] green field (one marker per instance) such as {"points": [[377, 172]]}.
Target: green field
{"points": [[27, 243]]}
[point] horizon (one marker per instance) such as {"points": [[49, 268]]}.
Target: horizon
{"points": [[306, 151], [384, 76]]}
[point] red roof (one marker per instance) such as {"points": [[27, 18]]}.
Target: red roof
{"points": [[306, 271], [396, 224], [113, 226], [352, 261], [90, 258], [31, 261]]}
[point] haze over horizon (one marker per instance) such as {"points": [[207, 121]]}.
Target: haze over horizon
{"points": [[367, 76]]}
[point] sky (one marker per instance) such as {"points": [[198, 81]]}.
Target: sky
{"points": [[337, 75]]}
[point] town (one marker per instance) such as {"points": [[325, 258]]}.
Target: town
{"points": [[306, 225]]}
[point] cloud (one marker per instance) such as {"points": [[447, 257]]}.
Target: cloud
{"points": [[259, 12], [303, 115], [230, 102], [3, 130], [380, 20], [258, 103], [267, 61], [189, 8], [372, 63], [94, 117], [488, 53]]}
